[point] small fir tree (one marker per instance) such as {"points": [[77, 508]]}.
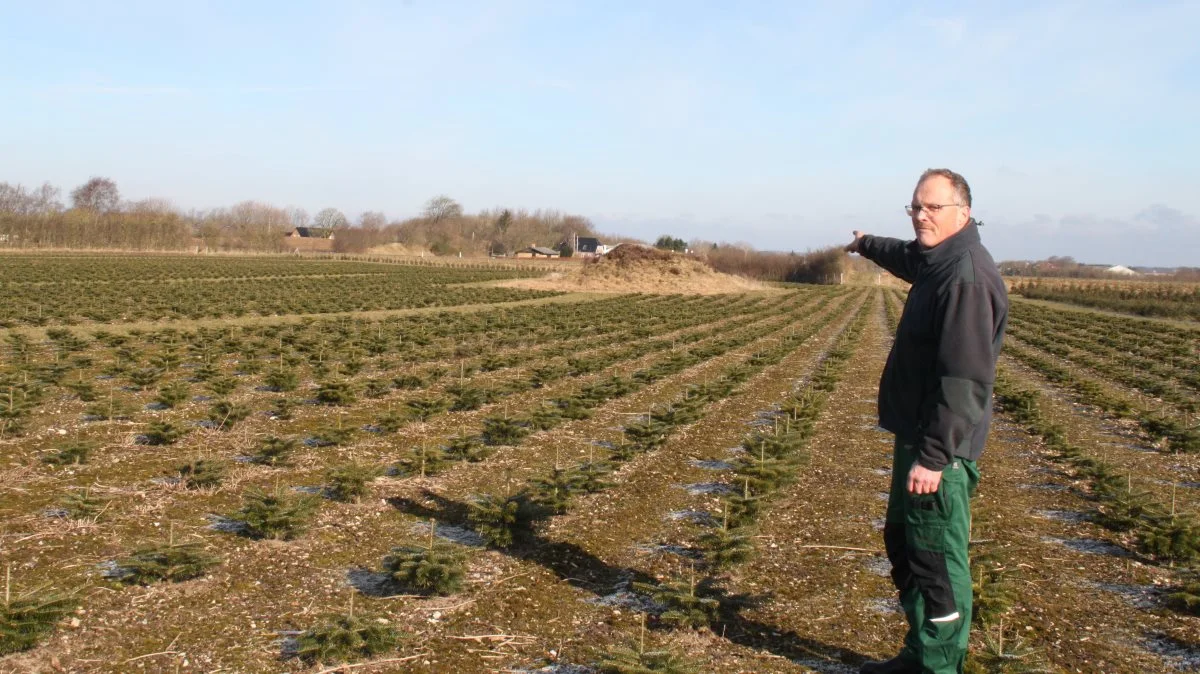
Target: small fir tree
{"points": [[637, 660], [202, 473], [349, 483], [390, 421], [421, 461], [408, 382], [422, 409], [502, 431], [589, 477], [553, 492], [743, 508], [1011, 656], [572, 408], [274, 451], [334, 436], [1185, 598], [503, 521], [688, 603], [72, 453], [438, 568], [282, 380], [110, 408], [225, 414], [344, 638], [338, 393], [164, 433], [28, 616], [282, 408], [1174, 539], [468, 448], [1127, 509], [725, 547], [647, 435], [172, 562], [82, 505], [144, 378], [222, 386], [276, 514], [84, 390], [545, 417]]}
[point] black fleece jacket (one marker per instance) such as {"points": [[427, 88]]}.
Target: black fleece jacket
{"points": [[937, 385]]}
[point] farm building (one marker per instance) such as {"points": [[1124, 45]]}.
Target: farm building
{"points": [[582, 246], [310, 233], [537, 251], [586, 246]]}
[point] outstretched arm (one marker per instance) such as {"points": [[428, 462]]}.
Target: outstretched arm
{"points": [[891, 254]]}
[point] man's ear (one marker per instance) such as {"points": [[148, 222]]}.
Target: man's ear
{"points": [[964, 216]]}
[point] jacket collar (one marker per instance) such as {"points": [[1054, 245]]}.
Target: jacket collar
{"points": [[951, 247]]}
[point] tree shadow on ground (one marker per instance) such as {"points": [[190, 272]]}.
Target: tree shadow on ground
{"points": [[583, 570]]}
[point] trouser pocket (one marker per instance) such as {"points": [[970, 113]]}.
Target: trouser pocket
{"points": [[927, 519]]}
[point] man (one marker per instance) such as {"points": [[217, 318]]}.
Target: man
{"points": [[936, 397]]}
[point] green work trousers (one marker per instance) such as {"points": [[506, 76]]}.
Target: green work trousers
{"points": [[926, 537]]}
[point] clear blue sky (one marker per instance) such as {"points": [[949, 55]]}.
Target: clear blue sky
{"points": [[781, 124]]}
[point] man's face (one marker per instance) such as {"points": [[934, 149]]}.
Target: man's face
{"points": [[935, 225]]}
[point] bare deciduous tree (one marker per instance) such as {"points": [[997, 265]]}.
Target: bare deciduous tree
{"points": [[330, 219], [372, 220], [98, 195], [255, 215], [43, 201], [298, 215], [442, 208]]}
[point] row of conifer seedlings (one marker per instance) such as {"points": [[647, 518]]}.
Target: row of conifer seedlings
{"points": [[423, 460], [994, 586], [348, 482], [26, 388], [1173, 434], [224, 414], [283, 515], [1150, 528], [439, 567], [763, 469], [1153, 370]]}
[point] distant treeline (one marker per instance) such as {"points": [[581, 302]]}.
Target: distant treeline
{"points": [[1067, 267], [822, 266], [98, 218]]}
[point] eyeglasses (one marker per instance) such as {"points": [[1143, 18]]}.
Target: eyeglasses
{"points": [[932, 209]]}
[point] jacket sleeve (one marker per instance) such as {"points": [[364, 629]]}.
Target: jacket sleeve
{"points": [[965, 369], [891, 254]]}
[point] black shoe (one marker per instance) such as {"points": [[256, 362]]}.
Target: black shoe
{"points": [[896, 665]]}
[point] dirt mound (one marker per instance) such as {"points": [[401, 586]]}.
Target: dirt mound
{"points": [[626, 255], [640, 269]]}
